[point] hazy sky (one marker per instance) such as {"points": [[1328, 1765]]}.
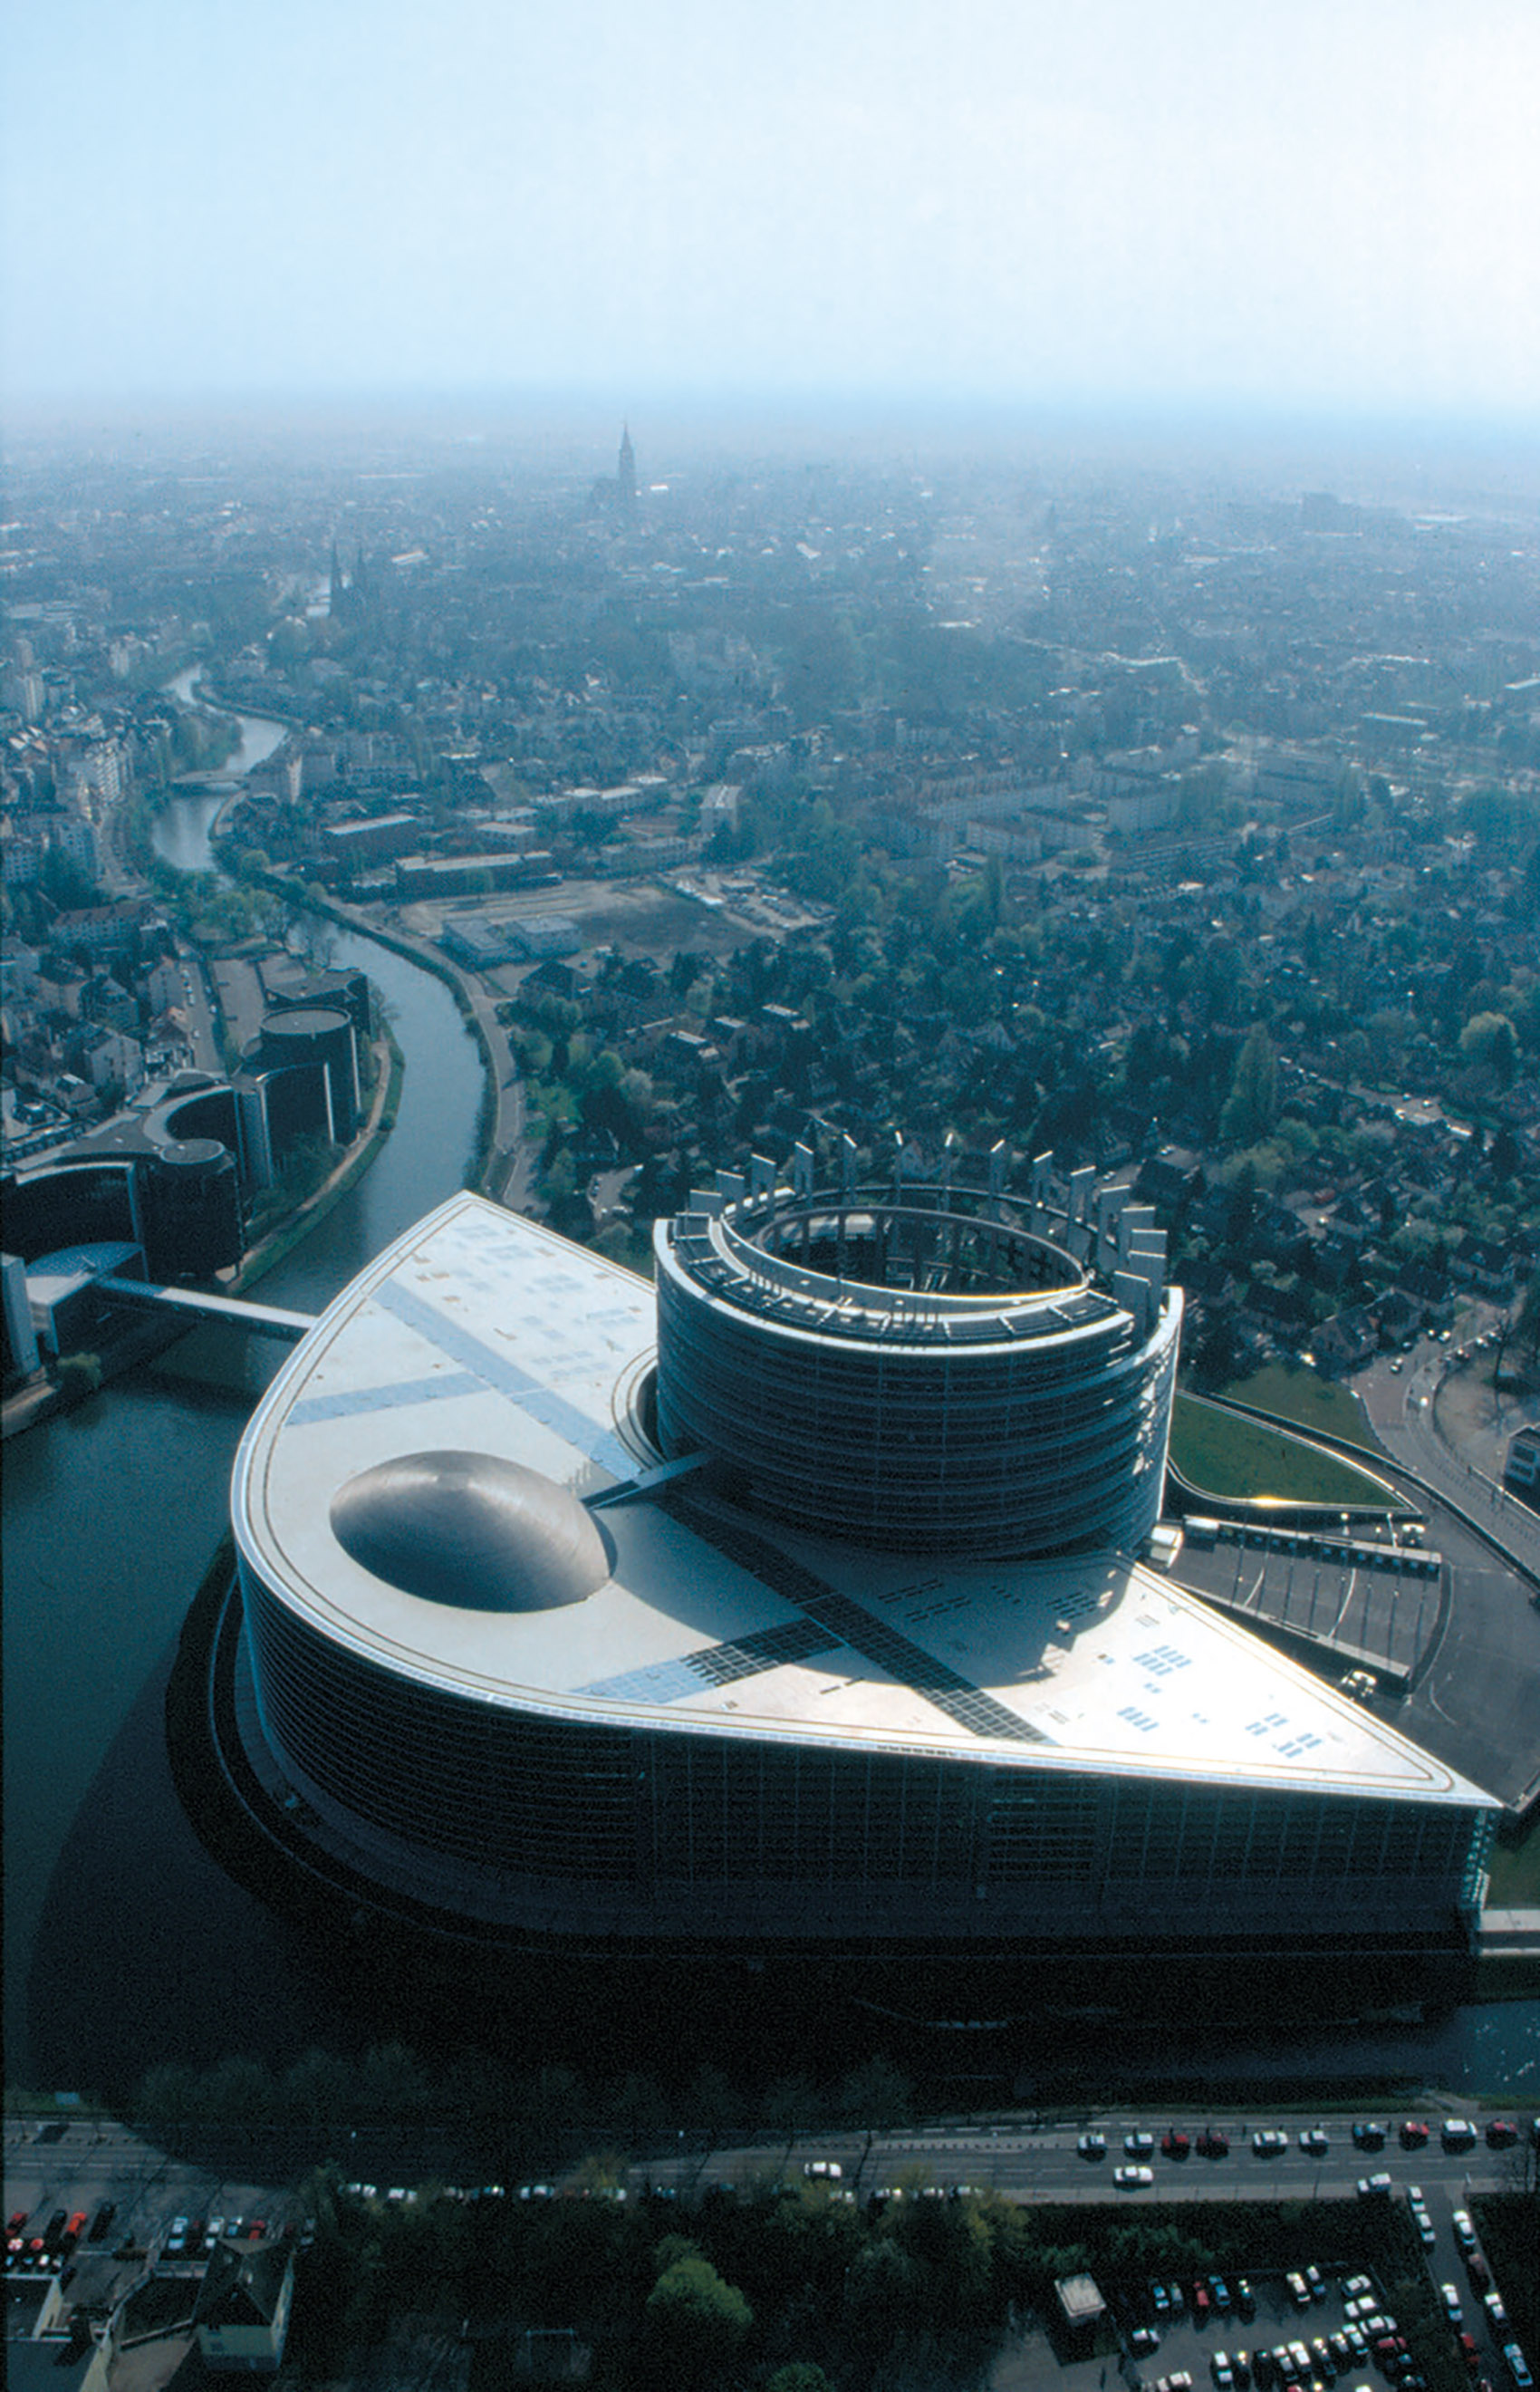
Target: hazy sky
{"points": [[1306, 203]]}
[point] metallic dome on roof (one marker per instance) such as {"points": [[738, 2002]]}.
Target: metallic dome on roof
{"points": [[471, 1529]]}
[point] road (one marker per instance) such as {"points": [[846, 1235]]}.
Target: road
{"points": [[1401, 1405], [1046, 2165], [91, 2162]]}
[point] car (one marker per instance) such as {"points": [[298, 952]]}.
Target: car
{"points": [[830, 2170], [1299, 2291], [1126, 2180], [102, 2221], [1426, 2234], [1315, 2141], [1451, 2300], [1340, 2347], [1493, 2304], [1177, 2298], [1143, 2339], [1375, 2188], [1268, 2141], [1457, 2134], [1174, 2144], [16, 2221], [1246, 2299], [1222, 2371], [1212, 2145], [1201, 2304], [176, 2240], [75, 2229], [1219, 2292], [1159, 2299], [1356, 2287], [1091, 2147], [1517, 2366], [1478, 2270], [1370, 2135], [1469, 2353], [1138, 2146], [1465, 2233], [1414, 2134], [1501, 2134], [1355, 2342], [1317, 2284]]}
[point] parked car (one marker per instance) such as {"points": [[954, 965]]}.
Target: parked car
{"points": [[1457, 2134]]}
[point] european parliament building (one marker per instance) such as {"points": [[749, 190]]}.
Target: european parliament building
{"points": [[794, 1603]]}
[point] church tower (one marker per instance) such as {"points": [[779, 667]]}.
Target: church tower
{"points": [[625, 477]]}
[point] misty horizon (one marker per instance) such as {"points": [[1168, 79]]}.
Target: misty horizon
{"points": [[1307, 213]]}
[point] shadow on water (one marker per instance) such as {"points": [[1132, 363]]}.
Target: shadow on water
{"points": [[145, 1951]]}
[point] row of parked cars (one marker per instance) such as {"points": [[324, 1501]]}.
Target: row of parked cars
{"points": [[1270, 2143], [193, 2238], [45, 2250]]}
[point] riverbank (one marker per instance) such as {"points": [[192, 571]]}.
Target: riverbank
{"points": [[144, 1337], [499, 1120], [280, 1242]]}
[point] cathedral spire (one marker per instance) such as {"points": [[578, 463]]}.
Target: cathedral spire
{"points": [[625, 475]]}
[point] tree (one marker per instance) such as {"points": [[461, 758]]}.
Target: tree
{"points": [[696, 2322], [1490, 1040], [1251, 1106], [79, 1376]]}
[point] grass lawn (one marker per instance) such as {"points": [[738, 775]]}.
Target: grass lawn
{"points": [[1223, 1454], [1296, 1393]]}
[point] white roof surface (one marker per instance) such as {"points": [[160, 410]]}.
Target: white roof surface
{"points": [[481, 1331]]}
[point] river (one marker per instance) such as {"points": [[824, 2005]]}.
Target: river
{"points": [[125, 1944], [121, 1939]]}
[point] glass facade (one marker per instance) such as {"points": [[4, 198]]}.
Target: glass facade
{"points": [[510, 1811], [1024, 1421]]}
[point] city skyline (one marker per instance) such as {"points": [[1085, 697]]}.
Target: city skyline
{"points": [[1304, 211]]}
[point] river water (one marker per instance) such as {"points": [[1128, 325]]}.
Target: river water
{"points": [[125, 1944]]}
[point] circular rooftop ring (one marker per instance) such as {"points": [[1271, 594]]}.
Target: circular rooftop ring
{"points": [[471, 1529], [912, 1376]]}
